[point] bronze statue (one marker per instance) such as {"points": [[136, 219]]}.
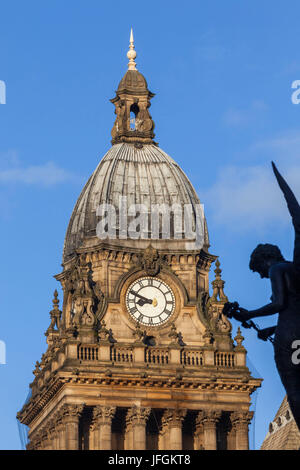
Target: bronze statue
{"points": [[268, 261]]}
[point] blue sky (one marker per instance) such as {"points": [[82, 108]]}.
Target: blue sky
{"points": [[222, 74]]}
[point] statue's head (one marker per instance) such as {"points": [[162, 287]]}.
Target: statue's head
{"points": [[263, 257]]}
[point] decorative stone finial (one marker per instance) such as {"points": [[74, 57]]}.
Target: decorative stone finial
{"points": [[131, 54], [55, 301], [103, 332], [239, 340], [37, 369], [218, 285], [55, 315]]}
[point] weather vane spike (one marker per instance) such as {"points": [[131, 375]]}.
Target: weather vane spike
{"points": [[131, 54]]}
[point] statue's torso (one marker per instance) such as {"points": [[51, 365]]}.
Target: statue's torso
{"points": [[288, 327]]}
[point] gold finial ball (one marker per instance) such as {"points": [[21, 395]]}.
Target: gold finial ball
{"points": [[131, 54]]}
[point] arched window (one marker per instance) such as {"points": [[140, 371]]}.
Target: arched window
{"points": [[134, 109]]}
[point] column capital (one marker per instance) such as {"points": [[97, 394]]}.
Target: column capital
{"points": [[58, 418], [208, 417], [174, 417], [241, 418], [71, 411], [137, 415], [103, 414]]}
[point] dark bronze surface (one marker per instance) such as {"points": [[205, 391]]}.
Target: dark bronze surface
{"points": [[285, 282]]}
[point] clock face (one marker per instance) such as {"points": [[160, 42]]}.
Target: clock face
{"points": [[150, 301]]}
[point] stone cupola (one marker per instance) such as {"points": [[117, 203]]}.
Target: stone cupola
{"points": [[133, 123]]}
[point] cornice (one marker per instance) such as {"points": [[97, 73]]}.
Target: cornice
{"points": [[37, 403]]}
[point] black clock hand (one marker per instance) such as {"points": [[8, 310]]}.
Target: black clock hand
{"points": [[143, 300]]}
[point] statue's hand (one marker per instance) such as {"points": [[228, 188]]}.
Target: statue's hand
{"points": [[265, 333], [233, 310], [241, 315]]}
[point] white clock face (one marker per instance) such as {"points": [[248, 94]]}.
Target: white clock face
{"points": [[150, 301]]}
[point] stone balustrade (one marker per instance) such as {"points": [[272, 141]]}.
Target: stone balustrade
{"points": [[138, 353], [160, 355]]}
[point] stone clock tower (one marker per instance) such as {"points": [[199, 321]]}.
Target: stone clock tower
{"points": [[140, 355]]}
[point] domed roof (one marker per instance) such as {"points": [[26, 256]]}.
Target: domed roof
{"points": [[133, 81], [144, 175], [136, 171]]}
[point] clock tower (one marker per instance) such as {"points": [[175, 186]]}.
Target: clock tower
{"points": [[139, 355]]}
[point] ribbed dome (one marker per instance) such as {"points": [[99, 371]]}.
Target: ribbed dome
{"points": [[133, 81], [144, 175]]}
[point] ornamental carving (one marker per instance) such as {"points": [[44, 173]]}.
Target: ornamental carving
{"points": [[241, 418], [150, 261], [174, 417], [87, 301], [208, 417], [71, 411], [137, 415], [55, 315], [211, 307], [103, 414]]}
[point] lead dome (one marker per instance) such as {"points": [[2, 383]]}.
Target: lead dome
{"points": [[144, 175]]}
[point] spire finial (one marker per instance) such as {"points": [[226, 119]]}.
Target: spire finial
{"points": [[131, 54]]}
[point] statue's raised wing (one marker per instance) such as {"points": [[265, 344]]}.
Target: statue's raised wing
{"points": [[294, 210]]}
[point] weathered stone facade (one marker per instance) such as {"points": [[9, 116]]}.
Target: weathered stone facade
{"points": [[108, 381]]}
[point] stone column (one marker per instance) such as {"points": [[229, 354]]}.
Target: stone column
{"points": [[231, 437], [92, 436], [137, 418], [128, 444], [59, 430], [173, 434], [209, 420], [45, 440], [35, 441], [240, 421], [102, 417], [52, 435], [71, 415], [163, 438], [199, 434]]}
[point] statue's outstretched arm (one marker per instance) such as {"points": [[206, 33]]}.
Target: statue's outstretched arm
{"points": [[294, 210]]}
